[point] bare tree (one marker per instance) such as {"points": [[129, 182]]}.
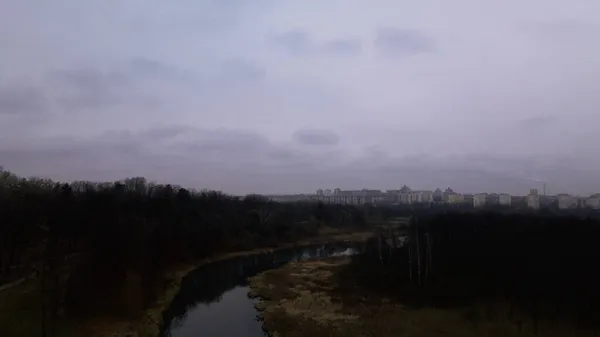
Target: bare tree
{"points": [[418, 252], [428, 262]]}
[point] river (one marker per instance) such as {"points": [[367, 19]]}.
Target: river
{"points": [[213, 300]]}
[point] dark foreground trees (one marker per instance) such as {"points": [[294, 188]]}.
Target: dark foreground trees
{"points": [[541, 267], [108, 244]]}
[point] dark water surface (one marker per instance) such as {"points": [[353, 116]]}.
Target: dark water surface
{"points": [[213, 300]]}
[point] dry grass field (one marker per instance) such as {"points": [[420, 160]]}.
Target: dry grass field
{"points": [[307, 299]]}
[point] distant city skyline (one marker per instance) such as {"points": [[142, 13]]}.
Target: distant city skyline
{"points": [[465, 180], [407, 196]]}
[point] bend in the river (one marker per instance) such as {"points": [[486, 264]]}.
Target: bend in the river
{"points": [[213, 299]]}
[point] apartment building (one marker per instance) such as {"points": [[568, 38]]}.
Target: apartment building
{"points": [[438, 195], [533, 199], [548, 200], [365, 196], [352, 197], [447, 193], [392, 196], [479, 199], [420, 197], [492, 199], [504, 199], [327, 192], [566, 201], [404, 196], [593, 201], [373, 196], [456, 199]]}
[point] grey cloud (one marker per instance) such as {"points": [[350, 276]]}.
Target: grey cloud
{"points": [[89, 87], [83, 99], [346, 46], [228, 142], [281, 154], [566, 28], [295, 41], [209, 152], [289, 159], [166, 132], [204, 18], [243, 161], [213, 158], [566, 35], [402, 42], [243, 70], [17, 99], [142, 68], [194, 141], [538, 121], [298, 41], [316, 137], [147, 67], [131, 72], [145, 83], [88, 78], [132, 83]]}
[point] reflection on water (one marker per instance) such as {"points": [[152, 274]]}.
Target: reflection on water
{"points": [[213, 299]]}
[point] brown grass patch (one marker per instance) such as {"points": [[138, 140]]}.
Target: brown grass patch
{"points": [[307, 299]]}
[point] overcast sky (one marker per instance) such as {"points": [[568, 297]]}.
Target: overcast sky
{"points": [[281, 96]]}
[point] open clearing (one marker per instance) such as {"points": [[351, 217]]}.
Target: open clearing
{"points": [[309, 299]]}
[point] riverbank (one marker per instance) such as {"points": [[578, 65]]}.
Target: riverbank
{"points": [[149, 324], [320, 298]]}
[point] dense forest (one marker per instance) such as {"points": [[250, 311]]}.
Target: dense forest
{"points": [[100, 248], [534, 271]]}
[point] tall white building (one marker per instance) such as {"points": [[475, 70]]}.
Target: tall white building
{"points": [[405, 195], [533, 199], [593, 201], [447, 193], [456, 199], [504, 199], [479, 200], [438, 195], [420, 197], [566, 201]]}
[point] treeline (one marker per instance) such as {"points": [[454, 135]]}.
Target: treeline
{"points": [[542, 267], [114, 240]]}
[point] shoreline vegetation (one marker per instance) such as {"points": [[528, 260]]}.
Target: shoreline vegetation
{"points": [[151, 321]]}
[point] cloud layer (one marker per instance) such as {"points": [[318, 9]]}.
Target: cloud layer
{"points": [[271, 96]]}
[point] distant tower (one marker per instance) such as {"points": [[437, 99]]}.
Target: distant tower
{"points": [[544, 189]]}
